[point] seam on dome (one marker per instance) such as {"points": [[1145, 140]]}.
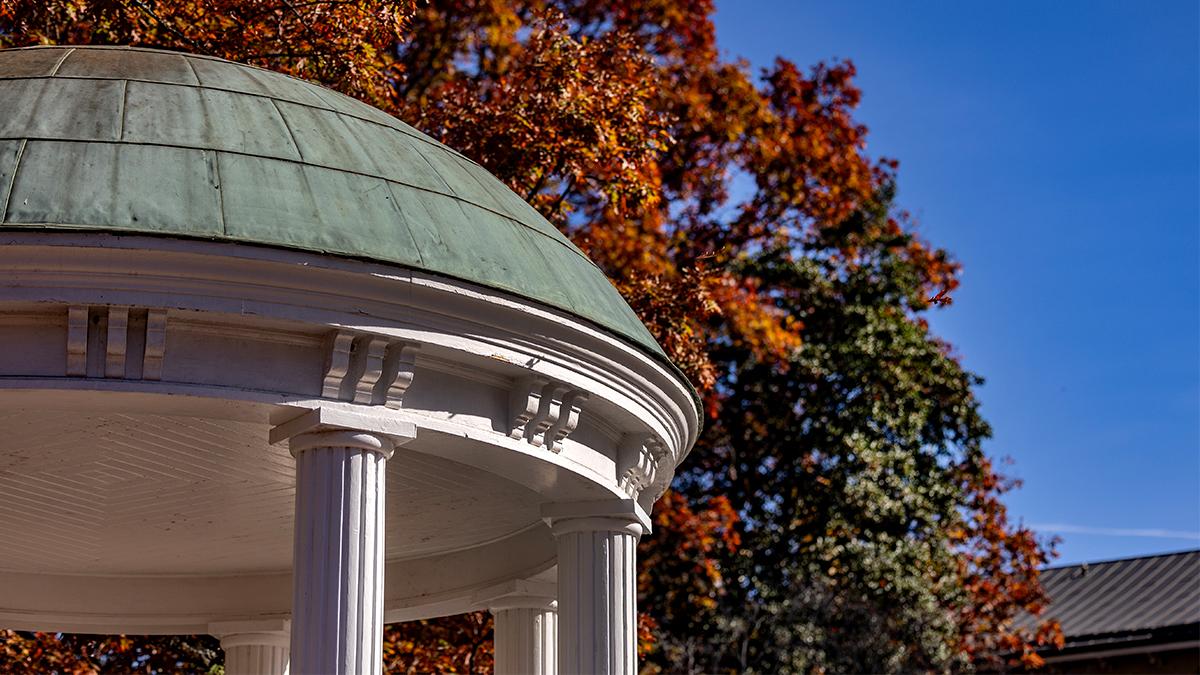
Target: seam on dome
{"points": [[291, 134], [58, 65], [216, 169], [218, 151], [403, 219], [191, 69], [445, 182], [124, 109], [12, 180]]}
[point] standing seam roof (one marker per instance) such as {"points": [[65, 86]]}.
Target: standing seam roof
{"points": [[154, 142], [1123, 596]]}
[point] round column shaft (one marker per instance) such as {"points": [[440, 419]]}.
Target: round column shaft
{"points": [[337, 602], [526, 636], [597, 595]]}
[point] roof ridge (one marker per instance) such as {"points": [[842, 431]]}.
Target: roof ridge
{"points": [[1089, 563]]}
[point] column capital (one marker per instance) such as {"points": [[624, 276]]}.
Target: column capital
{"points": [[326, 418], [249, 631], [342, 438], [519, 594], [611, 515]]}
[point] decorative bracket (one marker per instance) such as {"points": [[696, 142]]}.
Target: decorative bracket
{"points": [[368, 369], [116, 342], [542, 412], [156, 344], [638, 458], [77, 341]]}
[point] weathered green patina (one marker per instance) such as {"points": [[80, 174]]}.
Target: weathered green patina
{"points": [[156, 142]]}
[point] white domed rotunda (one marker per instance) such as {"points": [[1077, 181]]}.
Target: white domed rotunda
{"points": [[276, 367]]}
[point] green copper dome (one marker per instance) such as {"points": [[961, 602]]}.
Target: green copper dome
{"points": [[156, 142]]}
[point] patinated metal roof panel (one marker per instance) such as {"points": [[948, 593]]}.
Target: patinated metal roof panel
{"points": [[61, 109], [395, 156], [138, 188], [113, 63], [205, 118], [41, 62], [218, 74], [166, 143]]}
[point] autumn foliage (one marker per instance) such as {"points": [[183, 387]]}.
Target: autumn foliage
{"points": [[838, 513]]}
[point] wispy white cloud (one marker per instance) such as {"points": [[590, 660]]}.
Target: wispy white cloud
{"points": [[1150, 533]]}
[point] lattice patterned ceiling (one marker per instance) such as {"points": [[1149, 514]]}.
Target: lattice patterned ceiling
{"points": [[151, 494]]}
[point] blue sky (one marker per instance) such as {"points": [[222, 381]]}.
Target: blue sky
{"points": [[1054, 148]]}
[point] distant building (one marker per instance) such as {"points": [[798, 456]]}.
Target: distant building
{"points": [[1136, 615]]}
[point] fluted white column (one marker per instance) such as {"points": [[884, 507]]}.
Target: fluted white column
{"points": [[597, 594], [526, 635], [254, 647], [337, 601]]}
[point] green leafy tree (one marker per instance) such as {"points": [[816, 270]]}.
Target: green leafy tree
{"points": [[845, 469]]}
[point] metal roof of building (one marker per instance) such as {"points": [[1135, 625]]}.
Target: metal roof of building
{"points": [[155, 142], [1124, 596]]}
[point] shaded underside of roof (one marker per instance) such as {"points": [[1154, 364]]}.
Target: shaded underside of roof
{"points": [[153, 142], [1124, 597]]}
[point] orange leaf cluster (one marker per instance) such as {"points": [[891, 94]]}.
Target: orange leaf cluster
{"points": [[342, 43], [770, 333], [453, 644], [557, 116], [692, 538], [41, 653], [999, 566], [810, 157]]}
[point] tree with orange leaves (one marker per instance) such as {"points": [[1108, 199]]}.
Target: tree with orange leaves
{"points": [[839, 512]]}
